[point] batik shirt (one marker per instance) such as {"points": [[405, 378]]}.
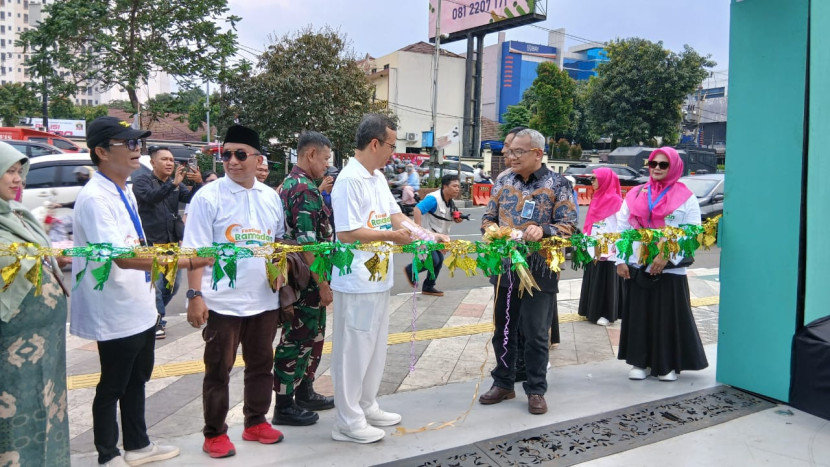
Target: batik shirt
{"points": [[544, 199], [307, 218]]}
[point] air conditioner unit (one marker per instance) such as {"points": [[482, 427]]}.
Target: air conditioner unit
{"points": [[411, 136]]}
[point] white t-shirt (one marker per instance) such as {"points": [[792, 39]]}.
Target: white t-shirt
{"points": [[687, 213], [225, 212], [607, 225], [126, 306], [361, 199]]}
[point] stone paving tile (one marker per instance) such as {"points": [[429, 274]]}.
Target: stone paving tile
{"points": [[470, 310]]}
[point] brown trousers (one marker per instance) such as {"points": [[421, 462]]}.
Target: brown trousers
{"points": [[222, 336]]}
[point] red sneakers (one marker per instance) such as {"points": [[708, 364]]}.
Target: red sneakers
{"points": [[262, 433], [219, 446]]}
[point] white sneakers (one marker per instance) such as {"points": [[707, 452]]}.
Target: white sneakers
{"points": [[670, 376], [381, 418], [603, 322], [116, 462], [152, 453], [370, 433], [366, 435], [637, 373]]}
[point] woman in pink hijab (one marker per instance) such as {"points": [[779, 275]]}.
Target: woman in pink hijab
{"points": [[659, 336], [600, 300]]}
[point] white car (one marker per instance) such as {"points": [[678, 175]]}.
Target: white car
{"points": [[54, 179]]}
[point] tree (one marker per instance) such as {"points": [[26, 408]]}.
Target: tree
{"points": [[551, 100], [582, 130], [638, 92], [308, 81], [516, 115], [17, 100], [121, 43]]}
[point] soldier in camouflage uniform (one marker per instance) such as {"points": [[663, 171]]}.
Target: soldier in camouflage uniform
{"points": [[301, 345]]}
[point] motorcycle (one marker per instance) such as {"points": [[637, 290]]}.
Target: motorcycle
{"points": [[406, 208]]}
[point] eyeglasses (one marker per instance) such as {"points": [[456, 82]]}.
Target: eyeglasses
{"points": [[132, 144], [391, 145], [518, 153], [654, 164], [240, 154]]}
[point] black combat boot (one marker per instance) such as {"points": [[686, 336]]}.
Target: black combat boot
{"points": [[287, 412], [310, 400]]}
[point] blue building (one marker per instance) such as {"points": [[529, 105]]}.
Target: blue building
{"points": [[509, 68]]}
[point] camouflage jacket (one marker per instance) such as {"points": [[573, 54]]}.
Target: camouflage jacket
{"points": [[306, 215]]}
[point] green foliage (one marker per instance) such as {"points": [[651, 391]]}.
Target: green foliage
{"points": [[17, 100], [562, 149], [551, 100], [575, 152], [582, 130], [638, 92], [516, 115], [309, 80], [121, 43]]}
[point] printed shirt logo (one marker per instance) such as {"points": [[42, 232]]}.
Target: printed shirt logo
{"points": [[379, 221], [235, 233], [670, 217]]}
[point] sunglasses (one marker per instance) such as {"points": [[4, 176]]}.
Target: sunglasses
{"points": [[132, 144], [240, 154], [654, 164]]}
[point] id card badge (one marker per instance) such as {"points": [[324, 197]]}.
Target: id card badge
{"points": [[527, 209]]}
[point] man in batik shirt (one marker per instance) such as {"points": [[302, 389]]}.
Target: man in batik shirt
{"points": [[307, 220]]}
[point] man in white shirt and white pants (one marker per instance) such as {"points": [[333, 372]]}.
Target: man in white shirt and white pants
{"points": [[364, 210], [236, 209]]}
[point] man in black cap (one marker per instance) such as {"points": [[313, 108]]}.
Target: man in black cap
{"points": [[122, 315], [241, 210]]}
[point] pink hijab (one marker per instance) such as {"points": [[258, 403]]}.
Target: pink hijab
{"points": [[607, 199], [675, 195]]}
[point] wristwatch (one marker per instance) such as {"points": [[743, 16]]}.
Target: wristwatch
{"points": [[191, 294]]}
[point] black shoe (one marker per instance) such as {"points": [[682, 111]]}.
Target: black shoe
{"points": [[432, 291], [407, 272], [308, 399], [293, 415], [160, 332]]}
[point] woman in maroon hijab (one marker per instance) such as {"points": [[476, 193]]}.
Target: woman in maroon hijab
{"points": [[600, 300], [659, 336]]}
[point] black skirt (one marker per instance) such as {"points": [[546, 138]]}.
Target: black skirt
{"points": [[601, 295], [658, 328]]}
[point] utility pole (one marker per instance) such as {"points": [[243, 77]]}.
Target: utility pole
{"points": [[207, 140], [434, 158]]}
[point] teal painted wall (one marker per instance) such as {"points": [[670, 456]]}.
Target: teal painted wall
{"points": [[817, 291], [760, 228]]}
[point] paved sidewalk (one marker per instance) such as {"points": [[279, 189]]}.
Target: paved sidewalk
{"points": [[174, 404]]}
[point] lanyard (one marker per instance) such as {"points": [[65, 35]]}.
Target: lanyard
{"points": [[130, 210], [652, 204]]}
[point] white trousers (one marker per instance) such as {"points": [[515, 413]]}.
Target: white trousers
{"points": [[358, 356]]}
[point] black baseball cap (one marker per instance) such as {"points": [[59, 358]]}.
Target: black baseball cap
{"points": [[105, 128]]}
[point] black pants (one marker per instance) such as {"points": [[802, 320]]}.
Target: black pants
{"points": [[429, 282], [126, 365], [533, 315]]}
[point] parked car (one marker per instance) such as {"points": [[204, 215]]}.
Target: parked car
{"points": [[451, 167], [33, 149], [580, 174], [709, 192], [53, 179], [28, 134]]}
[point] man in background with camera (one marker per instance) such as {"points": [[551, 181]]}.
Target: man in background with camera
{"points": [[436, 213], [158, 194]]}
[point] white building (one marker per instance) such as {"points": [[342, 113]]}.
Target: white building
{"points": [[17, 16], [404, 80]]}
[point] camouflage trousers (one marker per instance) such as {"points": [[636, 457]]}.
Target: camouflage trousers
{"points": [[301, 343]]}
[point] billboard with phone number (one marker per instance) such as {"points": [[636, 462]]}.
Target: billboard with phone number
{"points": [[459, 17], [59, 127]]}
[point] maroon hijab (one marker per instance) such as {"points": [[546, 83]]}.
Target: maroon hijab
{"points": [[606, 200], [666, 195]]}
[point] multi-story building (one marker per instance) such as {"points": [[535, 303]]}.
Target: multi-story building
{"points": [[17, 16], [509, 68], [704, 112], [403, 80]]}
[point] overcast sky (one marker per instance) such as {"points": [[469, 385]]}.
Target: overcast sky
{"points": [[380, 27]]}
